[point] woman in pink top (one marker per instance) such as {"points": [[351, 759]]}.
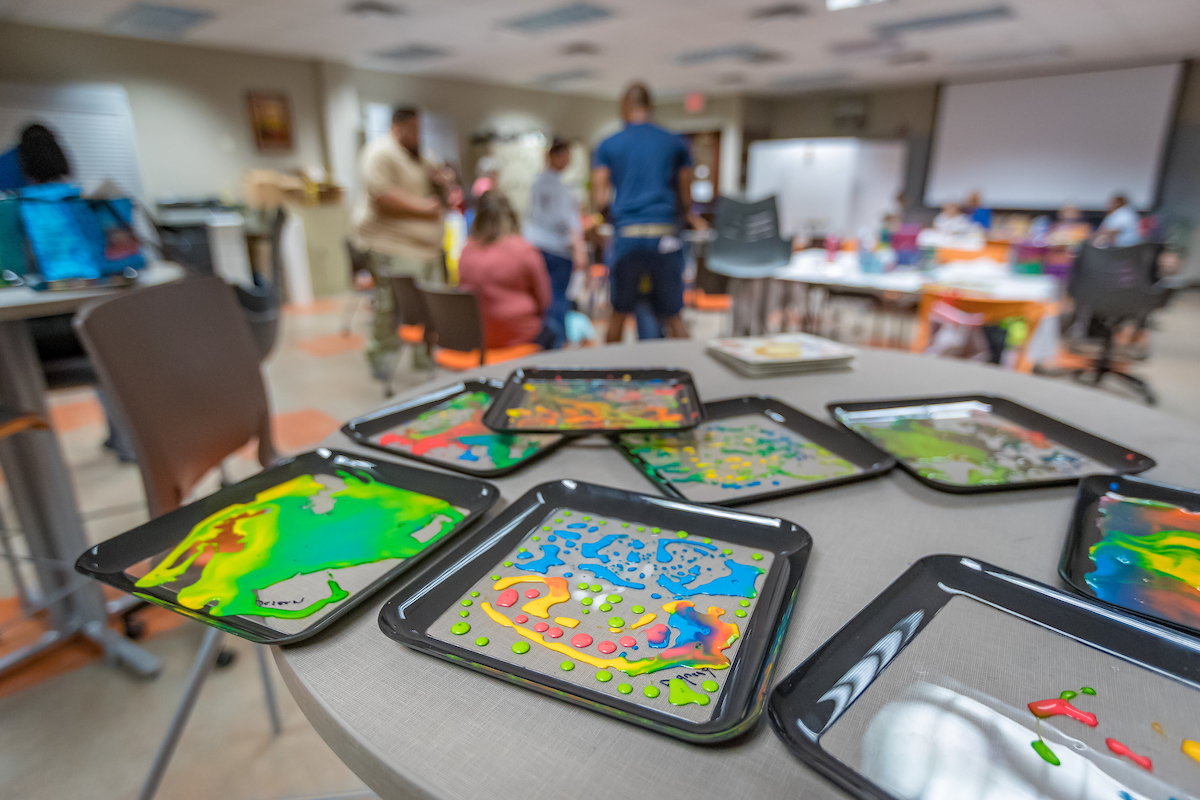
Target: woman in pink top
{"points": [[508, 276]]}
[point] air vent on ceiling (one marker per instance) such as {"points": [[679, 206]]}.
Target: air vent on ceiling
{"points": [[1033, 55], [782, 10], [580, 49], [373, 8], [940, 21], [908, 57], [814, 80], [157, 22], [411, 52], [561, 17], [842, 5], [866, 48], [748, 53], [566, 76]]}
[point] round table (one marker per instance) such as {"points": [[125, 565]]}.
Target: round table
{"points": [[411, 725]]}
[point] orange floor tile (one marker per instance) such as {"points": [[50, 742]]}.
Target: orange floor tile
{"points": [[75, 415], [326, 306], [300, 430], [332, 345]]}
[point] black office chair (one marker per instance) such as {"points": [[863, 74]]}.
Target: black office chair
{"points": [[748, 244], [1115, 287], [260, 304]]}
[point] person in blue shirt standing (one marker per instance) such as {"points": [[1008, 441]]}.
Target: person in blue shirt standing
{"points": [[647, 170]]}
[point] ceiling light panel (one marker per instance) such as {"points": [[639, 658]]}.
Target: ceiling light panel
{"points": [[937, 22], [411, 52], [746, 53], [561, 17], [842, 5], [781, 11], [157, 22], [565, 76], [373, 8]]}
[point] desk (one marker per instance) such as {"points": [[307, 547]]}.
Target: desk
{"points": [[40, 484], [411, 725]]}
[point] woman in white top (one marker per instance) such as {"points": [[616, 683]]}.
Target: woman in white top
{"points": [[1121, 227], [554, 227]]}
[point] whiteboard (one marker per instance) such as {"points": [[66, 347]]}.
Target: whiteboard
{"points": [[1041, 143], [827, 186]]}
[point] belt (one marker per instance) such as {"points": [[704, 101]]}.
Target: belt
{"points": [[651, 230]]}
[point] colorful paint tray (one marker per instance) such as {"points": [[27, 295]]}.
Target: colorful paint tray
{"points": [[445, 428], [750, 449], [595, 401], [283, 554], [1135, 545], [966, 680], [653, 611], [982, 443]]}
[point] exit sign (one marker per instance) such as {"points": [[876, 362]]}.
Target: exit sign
{"points": [[693, 103]]}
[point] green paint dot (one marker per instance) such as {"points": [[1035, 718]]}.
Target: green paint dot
{"points": [[603, 522], [615, 622], [547, 528], [624, 524], [744, 603], [459, 628], [583, 585], [603, 677], [595, 587], [1088, 690], [613, 598], [757, 556], [1068, 695], [710, 686], [681, 535], [466, 602], [474, 594], [624, 688], [482, 641], [641, 529], [586, 611], [1043, 750], [682, 694], [752, 593], [605, 607], [739, 613], [464, 613], [727, 552], [567, 666], [522, 550], [587, 519], [566, 513], [637, 609], [655, 530], [495, 577], [508, 563], [651, 691], [520, 648], [587, 601], [707, 541], [558, 522], [536, 538]]}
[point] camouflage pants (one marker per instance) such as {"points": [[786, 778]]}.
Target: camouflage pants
{"points": [[384, 342]]}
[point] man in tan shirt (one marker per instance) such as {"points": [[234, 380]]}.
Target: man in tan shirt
{"points": [[398, 221]]}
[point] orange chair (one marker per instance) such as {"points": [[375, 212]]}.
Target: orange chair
{"points": [[458, 325], [993, 311]]}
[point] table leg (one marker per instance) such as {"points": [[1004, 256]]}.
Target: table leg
{"points": [[44, 500]]}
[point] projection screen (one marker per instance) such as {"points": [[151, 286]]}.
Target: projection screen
{"points": [[1040, 143]]}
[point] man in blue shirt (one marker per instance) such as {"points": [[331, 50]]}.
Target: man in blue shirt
{"points": [[648, 173]]}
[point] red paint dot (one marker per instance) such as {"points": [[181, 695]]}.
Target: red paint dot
{"points": [[628, 641], [541, 627], [532, 593], [507, 598], [581, 640], [554, 633], [520, 619], [606, 647]]}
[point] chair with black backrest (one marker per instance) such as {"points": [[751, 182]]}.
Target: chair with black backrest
{"points": [[1115, 288], [410, 318], [458, 326], [181, 370], [748, 250], [362, 284]]}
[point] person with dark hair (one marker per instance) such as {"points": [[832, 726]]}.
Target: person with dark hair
{"points": [[41, 157], [508, 276], [1120, 227], [646, 173], [398, 221], [554, 226]]}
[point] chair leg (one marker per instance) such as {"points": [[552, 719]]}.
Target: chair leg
{"points": [[1139, 386], [389, 386], [264, 669], [210, 648], [349, 312]]}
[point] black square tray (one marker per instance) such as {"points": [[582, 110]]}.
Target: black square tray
{"points": [[1090, 455], [344, 548], [1115, 652], [607, 621], [860, 459], [498, 416], [1129, 563], [374, 429]]}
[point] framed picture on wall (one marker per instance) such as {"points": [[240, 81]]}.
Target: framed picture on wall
{"points": [[271, 119]]}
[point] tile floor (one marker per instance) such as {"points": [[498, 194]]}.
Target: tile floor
{"points": [[90, 731]]}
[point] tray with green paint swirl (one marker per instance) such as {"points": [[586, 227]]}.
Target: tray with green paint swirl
{"points": [[651, 610], [283, 554]]}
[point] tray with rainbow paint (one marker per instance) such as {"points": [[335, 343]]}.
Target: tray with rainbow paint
{"points": [[750, 449], [965, 680], [647, 609], [445, 428], [552, 400], [283, 554], [983, 443], [1135, 545]]}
